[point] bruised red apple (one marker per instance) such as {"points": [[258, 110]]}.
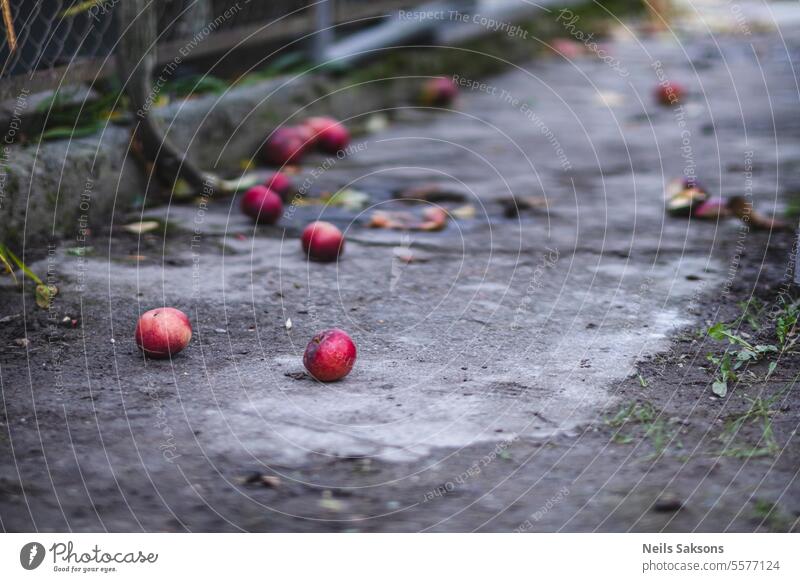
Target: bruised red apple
{"points": [[328, 134], [712, 209], [322, 241], [438, 92], [163, 332], [279, 183], [435, 218], [286, 145], [262, 204], [330, 355], [668, 93], [307, 134]]}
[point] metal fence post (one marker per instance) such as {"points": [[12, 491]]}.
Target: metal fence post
{"points": [[323, 21]]}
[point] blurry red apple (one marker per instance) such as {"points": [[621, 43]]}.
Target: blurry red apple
{"points": [[435, 218], [712, 209], [438, 92], [308, 135], [567, 48], [322, 241], [279, 183], [668, 93], [285, 146], [329, 135], [262, 204], [163, 332], [330, 355]]}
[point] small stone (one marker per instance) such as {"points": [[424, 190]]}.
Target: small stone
{"points": [[271, 481], [667, 503], [296, 375]]}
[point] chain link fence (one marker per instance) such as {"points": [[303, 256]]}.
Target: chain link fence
{"points": [[50, 43]]}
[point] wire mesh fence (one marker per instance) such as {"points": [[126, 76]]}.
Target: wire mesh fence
{"points": [[55, 42]]}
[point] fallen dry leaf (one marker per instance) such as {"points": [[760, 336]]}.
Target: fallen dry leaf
{"points": [[141, 227], [743, 209], [609, 98], [513, 205], [432, 193], [464, 212], [433, 218]]}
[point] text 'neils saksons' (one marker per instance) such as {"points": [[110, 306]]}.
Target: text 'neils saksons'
{"points": [[664, 548]]}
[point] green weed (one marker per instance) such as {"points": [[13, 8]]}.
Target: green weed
{"points": [[646, 416]]}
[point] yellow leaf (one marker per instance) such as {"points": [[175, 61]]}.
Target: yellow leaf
{"points": [[141, 227]]}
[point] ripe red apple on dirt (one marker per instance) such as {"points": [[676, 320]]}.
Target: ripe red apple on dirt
{"points": [[285, 146], [438, 92], [330, 355], [262, 204], [668, 93], [328, 134], [279, 183], [163, 332], [322, 241]]}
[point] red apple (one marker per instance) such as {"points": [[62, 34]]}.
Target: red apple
{"points": [[567, 48], [438, 92], [330, 355], [279, 183], [712, 209], [322, 241], [329, 135], [163, 332], [435, 218], [307, 134], [668, 93], [262, 204], [286, 145]]}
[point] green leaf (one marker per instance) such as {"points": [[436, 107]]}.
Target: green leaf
{"points": [[720, 388], [79, 8], [23, 266], [4, 262], [717, 332], [771, 369], [80, 251]]}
